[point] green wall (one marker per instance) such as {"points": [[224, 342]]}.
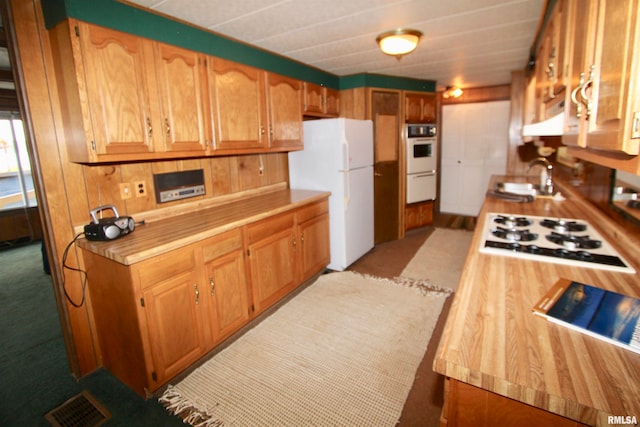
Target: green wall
{"points": [[122, 17]]}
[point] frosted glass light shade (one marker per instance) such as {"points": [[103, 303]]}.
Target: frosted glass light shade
{"points": [[399, 42]]}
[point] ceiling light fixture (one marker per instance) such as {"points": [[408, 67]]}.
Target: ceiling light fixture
{"points": [[452, 92], [398, 42]]}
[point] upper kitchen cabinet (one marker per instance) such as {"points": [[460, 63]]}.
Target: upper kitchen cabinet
{"points": [[182, 85], [552, 65], [237, 94], [284, 97], [604, 115], [126, 97], [254, 110], [420, 107], [320, 101]]}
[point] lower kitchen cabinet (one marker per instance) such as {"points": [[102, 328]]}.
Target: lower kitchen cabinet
{"points": [[157, 317], [467, 405], [174, 321], [313, 232], [272, 258], [226, 284], [418, 215]]}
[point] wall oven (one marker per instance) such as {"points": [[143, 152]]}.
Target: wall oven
{"points": [[421, 149]]}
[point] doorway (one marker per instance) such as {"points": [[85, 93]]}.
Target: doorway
{"points": [[385, 113]]}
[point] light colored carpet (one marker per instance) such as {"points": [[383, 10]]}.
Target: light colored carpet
{"points": [[343, 352], [440, 258]]}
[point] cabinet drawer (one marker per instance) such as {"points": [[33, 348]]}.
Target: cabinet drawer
{"points": [[160, 268], [268, 227], [312, 211], [222, 244]]}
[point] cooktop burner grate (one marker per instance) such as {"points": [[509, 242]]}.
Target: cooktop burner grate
{"points": [[556, 240], [571, 241]]}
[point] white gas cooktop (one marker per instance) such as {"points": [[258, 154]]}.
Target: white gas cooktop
{"points": [[548, 239]]}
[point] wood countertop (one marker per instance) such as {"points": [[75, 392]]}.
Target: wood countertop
{"points": [[164, 235], [493, 341]]}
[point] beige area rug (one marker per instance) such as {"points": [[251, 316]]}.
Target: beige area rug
{"points": [[343, 352], [441, 258]]}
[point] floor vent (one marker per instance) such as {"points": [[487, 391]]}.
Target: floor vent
{"points": [[82, 410]]}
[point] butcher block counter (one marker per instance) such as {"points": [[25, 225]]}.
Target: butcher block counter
{"points": [[169, 293], [176, 231], [505, 366]]}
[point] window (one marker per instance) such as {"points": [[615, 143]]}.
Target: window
{"points": [[16, 182]]}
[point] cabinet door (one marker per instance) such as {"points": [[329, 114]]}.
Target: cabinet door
{"points": [[173, 317], [285, 111], [237, 96], [314, 251], [429, 108], [227, 291], [614, 80], [114, 83], [420, 108], [181, 85], [332, 102], [559, 48], [272, 258], [583, 16], [418, 215], [412, 108], [411, 217], [313, 98]]}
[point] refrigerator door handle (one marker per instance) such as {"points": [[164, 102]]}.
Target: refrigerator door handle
{"points": [[345, 156], [347, 190]]}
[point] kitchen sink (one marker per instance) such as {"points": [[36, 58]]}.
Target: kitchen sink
{"points": [[520, 188]]}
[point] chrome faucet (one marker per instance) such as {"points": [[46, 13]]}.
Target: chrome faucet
{"points": [[546, 176]]}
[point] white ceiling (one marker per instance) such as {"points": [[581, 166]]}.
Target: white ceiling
{"points": [[469, 43]]}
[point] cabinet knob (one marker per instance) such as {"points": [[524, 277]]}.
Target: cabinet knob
{"points": [[212, 285], [149, 128], [551, 71], [195, 287], [635, 129]]}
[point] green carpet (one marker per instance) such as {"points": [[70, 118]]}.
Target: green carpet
{"points": [[34, 372]]}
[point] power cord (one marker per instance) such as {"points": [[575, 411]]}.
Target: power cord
{"points": [[83, 274]]}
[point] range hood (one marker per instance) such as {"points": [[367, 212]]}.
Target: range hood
{"points": [[553, 126]]}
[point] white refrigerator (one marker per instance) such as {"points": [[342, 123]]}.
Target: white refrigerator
{"points": [[338, 157]]}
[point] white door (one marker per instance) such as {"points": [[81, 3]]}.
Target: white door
{"points": [[475, 139]]}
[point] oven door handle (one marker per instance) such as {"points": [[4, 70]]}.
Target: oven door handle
{"points": [[423, 174]]}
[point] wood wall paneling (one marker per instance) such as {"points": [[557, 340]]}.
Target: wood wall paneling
{"points": [[481, 94], [515, 166], [132, 173], [62, 194], [354, 103]]}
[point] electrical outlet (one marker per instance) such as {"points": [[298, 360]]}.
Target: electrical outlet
{"points": [[125, 191], [140, 188]]}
